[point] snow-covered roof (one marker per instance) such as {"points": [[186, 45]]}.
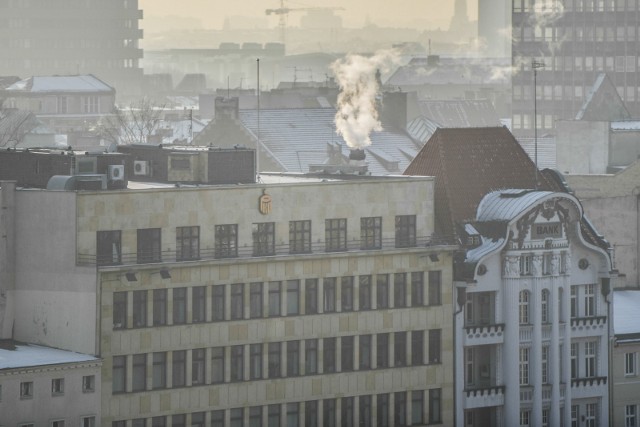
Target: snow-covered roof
{"points": [[505, 205], [488, 246], [626, 316], [625, 125], [25, 356], [43, 84]]}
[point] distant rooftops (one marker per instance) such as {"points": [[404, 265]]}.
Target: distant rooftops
{"points": [[44, 84]]}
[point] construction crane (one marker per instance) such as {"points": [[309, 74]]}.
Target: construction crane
{"points": [[283, 12]]}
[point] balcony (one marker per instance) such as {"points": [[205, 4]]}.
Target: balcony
{"points": [[484, 334], [588, 326], [526, 333], [482, 397], [588, 387], [577, 322], [247, 252]]}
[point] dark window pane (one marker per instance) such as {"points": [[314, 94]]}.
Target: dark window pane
{"points": [[329, 291], [383, 410], [293, 297], [226, 240], [365, 410], [400, 290], [198, 304], [335, 234], [417, 289], [400, 410], [400, 349], [311, 296], [179, 367], [435, 286], [435, 408], [159, 370], [405, 231], [299, 236], [346, 284], [218, 302], [329, 355], [255, 300], [179, 306], [217, 365], [274, 299], [293, 358], [264, 239], [365, 292], [237, 363], [329, 408], [417, 347], [237, 301], [108, 247], [139, 380], [311, 413], [159, 307], [119, 371], [119, 310], [365, 352], [255, 361], [274, 360], [382, 291], [371, 233], [347, 353], [149, 245], [434, 346], [187, 243], [197, 366], [347, 415], [311, 356], [382, 350]]}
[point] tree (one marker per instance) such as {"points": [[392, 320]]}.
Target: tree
{"points": [[14, 125], [132, 125]]}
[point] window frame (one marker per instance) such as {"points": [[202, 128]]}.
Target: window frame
{"points": [[264, 238], [335, 234], [300, 237], [371, 233], [149, 245], [188, 243], [226, 240], [405, 231]]}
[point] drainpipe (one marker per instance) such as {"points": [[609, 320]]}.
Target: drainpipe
{"points": [[605, 289], [7, 257]]}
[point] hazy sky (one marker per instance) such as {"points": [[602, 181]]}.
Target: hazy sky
{"points": [[211, 13]]}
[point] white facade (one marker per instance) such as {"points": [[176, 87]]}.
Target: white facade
{"points": [[534, 326]]}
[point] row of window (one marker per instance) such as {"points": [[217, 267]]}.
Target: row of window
{"points": [[86, 421], [547, 6], [276, 298], [382, 410], [57, 387], [149, 248], [258, 361], [588, 308]]}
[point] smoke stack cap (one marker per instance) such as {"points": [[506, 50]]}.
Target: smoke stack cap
{"points": [[357, 154]]}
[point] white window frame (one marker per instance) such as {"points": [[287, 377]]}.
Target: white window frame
{"points": [[524, 312], [590, 359], [630, 364], [630, 416], [590, 301], [524, 366]]}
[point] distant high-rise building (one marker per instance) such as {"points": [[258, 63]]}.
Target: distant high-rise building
{"points": [[575, 42], [460, 18], [48, 37], [494, 28]]}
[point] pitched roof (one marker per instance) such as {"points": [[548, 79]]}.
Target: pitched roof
{"points": [[446, 71], [43, 84], [603, 102], [460, 113]]}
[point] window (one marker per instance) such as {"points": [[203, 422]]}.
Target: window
{"points": [[311, 413], [236, 416], [237, 363], [155, 422], [179, 369], [197, 366], [329, 294], [400, 416], [90, 104], [335, 234], [274, 360], [371, 232], [400, 290], [590, 349], [264, 237], [159, 370], [382, 291], [347, 413], [255, 416], [417, 348], [159, 307], [434, 346], [329, 362], [179, 306], [311, 296], [226, 238], [108, 247], [347, 353], [63, 104], [435, 287], [139, 381], [255, 300], [630, 364], [364, 292], [330, 412], [574, 416], [119, 310], [237, 301], [347, 293], [187, 243], [149, 245], [274, 299], [293, 297], [293, 414], [574, 360], [591, 415], [382, 351], [524, 366], [57, 386], [217, 365], [293, 358], [311, 356], [630, 416], [405, 231], [435, 405], [57, 423], [218, 302], [365, 352], [197, 420], [547, 263], [545, 306], [273, 415], [589, 300], [525, 416], [365, 411], [574, 302], [88, 422], [417, 404], [255, 361], [417, 289], [139, 309], [525, 264], [545, 417], [523, 301], [383, 411], [88, 383], [198, 304], [26, 390], [217, 418], [119, 374], [400, 349], [300, 237], [545, 364]]}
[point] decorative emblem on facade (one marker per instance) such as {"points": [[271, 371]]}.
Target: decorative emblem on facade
{"points": [[512, 266], [583, 263], [264, 203]]}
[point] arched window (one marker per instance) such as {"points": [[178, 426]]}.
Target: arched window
{"points": [[524, 307], [544, 315]]}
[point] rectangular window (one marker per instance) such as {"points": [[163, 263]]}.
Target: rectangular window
{"points": [[329, 362], [139, 374], [57, 386], [159, 370], [255, 361], [417, 348], [335, 234], [26, 390], [574, 360], [574, 302], [630, 364], [119, 310], [198, 304], [109, 247], [329, 291], [88, 383], [417, 405], [405, 231], [525, 418], [274, 359], [159, 307], [371, 233], [149, 245], [400, 400], [218, 302], [311, 356], [382, 351], [217, 418], [589, 300], [179, 369], [88, 422], [365, 352], [347, 353], [264, 238], [155, 422], [383, 410], [237, 301], [346, 284], [382, 291], [273, 414], [197, 420], [630, 416], [434, 346], [90, 104], [237, 363], [119, 374], [187, 243], [57, 423], [299, 237], [293, 297], [347, 413], [526, 261], [590, 350], [591, 414], [293, 414], [365, 410], [545, 364], [435, 287], [311, 413], [255, 416], [217, 365], [179, 306], [364, 291], [274, 299], [293, 358], [226, 238], [399, 290], [236, 416], [417, 289], [255, 300], [329, 408], [524, 366], [197, 366], [435, 405]]}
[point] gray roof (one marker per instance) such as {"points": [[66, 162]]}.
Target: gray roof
{"points": [[43, 84], [505, 205], [488, 246], [462, 71], [24, 356], [546, 150], [461, 113]]}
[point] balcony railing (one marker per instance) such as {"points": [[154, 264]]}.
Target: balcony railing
{"points": [[591, 381], [591, 321], [484, 391], [247, 252], [484, 334]]}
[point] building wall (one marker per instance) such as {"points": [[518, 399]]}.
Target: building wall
{"points": [[626, 388], [582, 147]]}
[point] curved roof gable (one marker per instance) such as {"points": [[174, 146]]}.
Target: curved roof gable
{"points": [[506, 205]]}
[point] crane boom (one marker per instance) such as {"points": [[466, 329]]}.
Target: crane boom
{"points": [[283, 12]]}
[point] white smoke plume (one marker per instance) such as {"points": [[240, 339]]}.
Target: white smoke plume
{"points": [[357, 115]]}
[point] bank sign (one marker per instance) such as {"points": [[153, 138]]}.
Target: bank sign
{"points": [[545, 231]]}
